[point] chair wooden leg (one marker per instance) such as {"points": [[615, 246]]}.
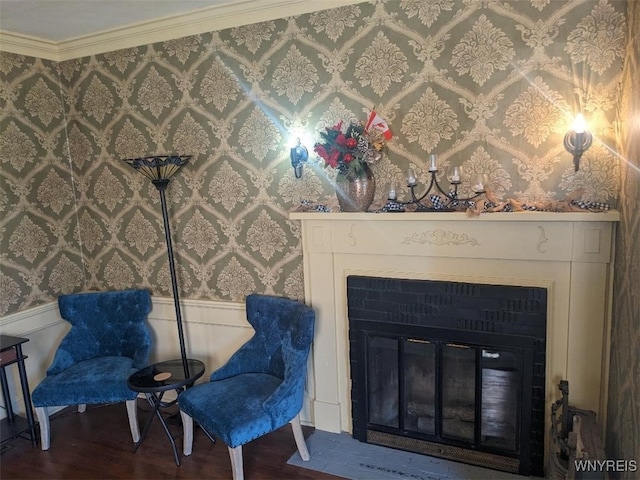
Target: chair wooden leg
{"points": [[132, 413], [43, 420], [236, 462], [187, 439], [299, 437], [82, 408]]}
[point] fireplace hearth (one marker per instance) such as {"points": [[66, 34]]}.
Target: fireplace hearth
{"points": [[450, 369]]}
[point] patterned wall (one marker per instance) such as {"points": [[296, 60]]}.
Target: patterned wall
{"points": [[623, 432], [490, 85]]}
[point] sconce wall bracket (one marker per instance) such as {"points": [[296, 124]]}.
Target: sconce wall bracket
{"points": [[576, 143], [299, 156]]}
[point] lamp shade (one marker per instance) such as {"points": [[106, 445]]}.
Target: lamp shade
{"points": [[158, 167]]}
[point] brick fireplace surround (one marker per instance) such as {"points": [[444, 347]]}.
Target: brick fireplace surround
{"points": [[569, 254]]}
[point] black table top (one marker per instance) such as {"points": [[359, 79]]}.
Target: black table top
{"points": [[7, 342], [168, 375]]}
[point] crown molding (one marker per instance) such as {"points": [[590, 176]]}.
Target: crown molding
{"points": [[217, 17], [28, 45]]}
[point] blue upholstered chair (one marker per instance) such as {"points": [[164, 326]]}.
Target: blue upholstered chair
{"points": [[109, 339], [261, 387]]}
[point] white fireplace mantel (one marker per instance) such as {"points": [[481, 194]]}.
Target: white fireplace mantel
{"points": [[569, 254]]}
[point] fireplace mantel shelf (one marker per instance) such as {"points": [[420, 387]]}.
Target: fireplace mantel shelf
{"points": [[568, 253], [539, 236], [527, 216]]}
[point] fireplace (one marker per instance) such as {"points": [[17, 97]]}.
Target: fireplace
{"points": [[568, 255], [449, 369]]}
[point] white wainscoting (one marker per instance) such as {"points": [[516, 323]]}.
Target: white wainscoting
{"points": [[213, 331]]}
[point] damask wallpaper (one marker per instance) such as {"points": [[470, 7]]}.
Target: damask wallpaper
{"points": [[490, 85], [623, 432]]}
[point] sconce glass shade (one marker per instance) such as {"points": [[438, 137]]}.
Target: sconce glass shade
{"points": [[299, 156], [158, 167]]}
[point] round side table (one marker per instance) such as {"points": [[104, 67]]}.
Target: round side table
{"points": [[157, 379]]}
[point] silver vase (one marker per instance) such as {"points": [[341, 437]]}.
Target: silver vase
{"points": [[356, 194]]}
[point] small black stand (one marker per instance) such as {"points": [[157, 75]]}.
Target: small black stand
{"points": [[155, 380], [14, 425]]}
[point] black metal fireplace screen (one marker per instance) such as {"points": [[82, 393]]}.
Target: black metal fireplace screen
{"points": [[449, 369]]}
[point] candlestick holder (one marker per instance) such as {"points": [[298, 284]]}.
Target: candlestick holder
{"points": [[439, 200]]}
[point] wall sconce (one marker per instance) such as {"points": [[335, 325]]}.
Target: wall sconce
{"points": [[299, 156], [578, 141]]}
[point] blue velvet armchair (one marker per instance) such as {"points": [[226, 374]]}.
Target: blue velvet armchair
{"points": [[109, 339], [261, 387]]}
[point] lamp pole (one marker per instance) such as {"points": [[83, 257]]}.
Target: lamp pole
{"points": [[161, 185]]}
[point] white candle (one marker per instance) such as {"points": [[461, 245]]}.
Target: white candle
{"points": [[392, 192], [480, 182], [433, 167], [411, 177], [455, 177]]}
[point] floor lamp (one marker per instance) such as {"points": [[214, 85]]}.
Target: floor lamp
{"points": [[159, 169]]}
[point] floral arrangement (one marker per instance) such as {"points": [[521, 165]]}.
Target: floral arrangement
{"points": [[351, 149]]}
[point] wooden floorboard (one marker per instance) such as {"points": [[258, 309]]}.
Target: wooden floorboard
{"points": [[97, 445]]}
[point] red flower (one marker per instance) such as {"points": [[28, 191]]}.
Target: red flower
{"points": [[347, 158], [320, 150], [333, 158], [341, 139], [351, 142]]}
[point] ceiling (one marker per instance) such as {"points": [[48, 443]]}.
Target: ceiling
{"points": [[66, 29], [62, 20]]}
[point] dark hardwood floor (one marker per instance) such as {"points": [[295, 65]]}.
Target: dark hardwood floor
{"points": [[97, 445]]}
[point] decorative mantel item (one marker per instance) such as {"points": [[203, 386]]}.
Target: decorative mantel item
{"points": [[159, 169], [356, 194], [438, 200], [352, 151]]}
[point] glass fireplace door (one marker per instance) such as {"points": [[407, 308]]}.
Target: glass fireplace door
{"points": [[458, 392], [501, 382], [383, 376], [420, 379], [462, 394]]}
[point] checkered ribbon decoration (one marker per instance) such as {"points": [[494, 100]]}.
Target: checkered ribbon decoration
{"points": [[392, 206], [592, 206], [437, 202], [460, 204], [314, 208], [320, 208]]}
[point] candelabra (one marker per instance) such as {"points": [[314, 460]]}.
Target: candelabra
{"points": [[439, 199]]}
